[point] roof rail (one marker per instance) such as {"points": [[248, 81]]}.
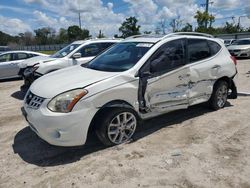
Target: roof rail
{"points": [[188, 33], [144, 35]]}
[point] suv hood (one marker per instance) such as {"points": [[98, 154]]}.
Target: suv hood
{"points": [[32, 61], [52, 84], [238, 47]]}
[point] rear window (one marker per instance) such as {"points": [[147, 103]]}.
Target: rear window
{"points": [[214, 47], [198, 49]]}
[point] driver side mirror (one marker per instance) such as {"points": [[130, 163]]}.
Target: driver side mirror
{"points": [[77, 55]]}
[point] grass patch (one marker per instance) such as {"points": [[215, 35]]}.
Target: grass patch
{"points": [[48, 52]]}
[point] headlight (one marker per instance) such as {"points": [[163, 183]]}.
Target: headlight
{"points": [[66, 101]]}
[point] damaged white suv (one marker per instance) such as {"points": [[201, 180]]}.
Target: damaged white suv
{"points": [[138, 78]]}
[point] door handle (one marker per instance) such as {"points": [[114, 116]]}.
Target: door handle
{"points": [[216, 67]]}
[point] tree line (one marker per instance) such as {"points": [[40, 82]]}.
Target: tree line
{"points": [[129, 27]]}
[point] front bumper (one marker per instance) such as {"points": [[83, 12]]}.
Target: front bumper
{"points": [[60, 129], [29, 76]]}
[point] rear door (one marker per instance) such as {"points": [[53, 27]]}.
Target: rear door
{"points": [[167, 86], [5, 65], [204, 67], [16, 59]]}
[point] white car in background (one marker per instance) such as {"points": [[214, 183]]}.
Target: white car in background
{"points": [[240, 48], [10, 60], [228, 42], [76, 53], [138, 78]]}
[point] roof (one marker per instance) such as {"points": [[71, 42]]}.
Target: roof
{"points": [[156, 38], [20, 51], [96, 40]]}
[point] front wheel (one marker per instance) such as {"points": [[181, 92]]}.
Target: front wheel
{"points": [[219, 95], [116, 126]]}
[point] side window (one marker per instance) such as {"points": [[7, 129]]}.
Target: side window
{"points": [[90, 50], [20, 56], [170, 56], [32, 55], [5, 57], [106, 45], [214, 47], [197, 50]]}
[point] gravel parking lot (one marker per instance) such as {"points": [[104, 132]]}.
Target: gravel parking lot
{"points": [[188, 148]]}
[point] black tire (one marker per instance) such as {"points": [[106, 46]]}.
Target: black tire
{"points": [[103, 125], [219, 96]]}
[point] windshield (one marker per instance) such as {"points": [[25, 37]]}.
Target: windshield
{"points": [[120, 57], [241, 42], [65, 51]]}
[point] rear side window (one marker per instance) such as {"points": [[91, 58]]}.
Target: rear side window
{"points": [[198, 49], [214, 47], [32, 55]]}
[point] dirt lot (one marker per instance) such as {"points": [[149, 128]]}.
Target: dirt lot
{"points": [[188, 148]]}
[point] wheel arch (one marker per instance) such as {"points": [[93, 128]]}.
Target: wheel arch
{"points": [[231, 85], [109, 105]]}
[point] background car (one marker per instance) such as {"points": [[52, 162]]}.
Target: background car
{"points": [[228, 42], [9, 62], [76, 53], [240, 48], [139, 78]]}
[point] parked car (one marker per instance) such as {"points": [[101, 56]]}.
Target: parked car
{"points": [[9, 62], [138, 78], [76, 53], [229, 42], [240, 48]]}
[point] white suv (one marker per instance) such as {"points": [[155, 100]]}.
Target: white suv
{"points": [[76, 53], [138, 78]]}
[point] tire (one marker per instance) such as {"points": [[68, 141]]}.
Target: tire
{"points": [[116, 126], [219, 96]]}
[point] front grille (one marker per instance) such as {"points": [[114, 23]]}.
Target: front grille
{"points": [[33, 101], [236, 51]]}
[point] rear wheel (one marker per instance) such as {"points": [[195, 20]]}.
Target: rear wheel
{"points": [[116, 126], [219, 95]]}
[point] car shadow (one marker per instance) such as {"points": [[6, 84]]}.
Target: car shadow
{"points": [[19, 94], [10, 79], [35, 151]]}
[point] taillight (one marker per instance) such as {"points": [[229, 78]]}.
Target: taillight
{"points": [[234, 60]]}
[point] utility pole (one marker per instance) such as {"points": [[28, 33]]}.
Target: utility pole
{"points": [[80, 25], [79, 14], [207, 4]]}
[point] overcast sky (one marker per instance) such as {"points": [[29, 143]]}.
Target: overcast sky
{"points": [[26, 15]]}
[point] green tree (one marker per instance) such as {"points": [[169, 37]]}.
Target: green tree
{"points": [[100, 35], [129, 27], [45, 35], [76, 33], [203, 18], [187, 28], [62, 36]]}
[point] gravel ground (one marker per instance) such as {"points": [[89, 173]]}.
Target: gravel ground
{"points": [[187, 148]]}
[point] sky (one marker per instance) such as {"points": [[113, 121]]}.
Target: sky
{"points": [[19, 16]]}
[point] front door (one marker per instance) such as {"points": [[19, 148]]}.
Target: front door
{"points": [[167, 84]]}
